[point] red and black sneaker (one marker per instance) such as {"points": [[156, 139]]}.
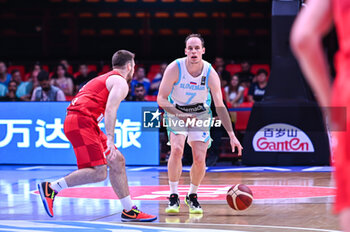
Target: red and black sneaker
{"points": [[47, 195], [135, 215]]}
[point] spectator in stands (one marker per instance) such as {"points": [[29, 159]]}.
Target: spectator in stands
{"points": [[139, 92], [46, 91], [245, 76], [4, 76], [257, 89], [140, 77], [224, 75], [11, 94], [82, 78], [33, 77], [24, 88], [3, 90], [129, 97], [234, 92], [36, 68], [68, 67], [62, 81], [153, 90]]}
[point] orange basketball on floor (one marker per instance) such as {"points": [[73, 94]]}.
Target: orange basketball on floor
{"points": [[239, 197]]}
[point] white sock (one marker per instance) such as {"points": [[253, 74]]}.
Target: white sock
{"points": [[193, 189], [127, 203], [58, 185], [173, 187]]}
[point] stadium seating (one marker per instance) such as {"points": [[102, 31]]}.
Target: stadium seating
{"points": [[256, 67], [233, 68], [21, 69]]}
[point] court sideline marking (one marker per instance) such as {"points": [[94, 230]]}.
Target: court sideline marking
{"points": [[21, 225], [258, 226]]}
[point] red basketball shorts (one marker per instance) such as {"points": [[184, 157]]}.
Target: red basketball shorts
{"points": [[88, 141]]}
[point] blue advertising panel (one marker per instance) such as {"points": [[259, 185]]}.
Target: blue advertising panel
{"points": [[32, 133]]}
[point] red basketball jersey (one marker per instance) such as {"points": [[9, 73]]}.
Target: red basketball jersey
{"points": [[341, 11], [92, 98]]}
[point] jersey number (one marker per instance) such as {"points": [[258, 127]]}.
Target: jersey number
{"points": [[191, 97]]}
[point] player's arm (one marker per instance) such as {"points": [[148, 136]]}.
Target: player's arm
{"points": [[312, 23], [250, 94], [171, 76], [250, 98], [214, 85], [118, 90]]}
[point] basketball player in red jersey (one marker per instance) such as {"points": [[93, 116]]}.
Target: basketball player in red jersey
{"points": [[93, 149], [313, 22]]}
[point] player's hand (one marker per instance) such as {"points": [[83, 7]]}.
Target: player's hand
{"points": [[111, 152], [186, 116], [235, 143]]}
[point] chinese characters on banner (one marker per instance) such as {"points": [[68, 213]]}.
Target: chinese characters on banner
{"points": [[33, 134], [127, 133]]}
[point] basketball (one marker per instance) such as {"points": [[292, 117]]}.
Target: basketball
{"points": [[239, 197]]}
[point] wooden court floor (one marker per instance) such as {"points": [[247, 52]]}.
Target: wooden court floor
{"points": [[283, 201]]}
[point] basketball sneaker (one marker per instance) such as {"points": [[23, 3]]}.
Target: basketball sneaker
{"points": [[135, 215], [193, 204], [47, 195], [174, 204]]}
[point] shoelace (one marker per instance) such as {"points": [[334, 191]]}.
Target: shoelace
{"points": [[173, 199], [135, 209], [194, 201], [53, 195]]}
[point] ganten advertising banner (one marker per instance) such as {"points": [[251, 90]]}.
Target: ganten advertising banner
{"points": [[289, 134], [281, 137], [32, 133]]}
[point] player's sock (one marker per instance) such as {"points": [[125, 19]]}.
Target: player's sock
{"points": [[58, 185], [173, 187], [127, 203], [193, 189]]}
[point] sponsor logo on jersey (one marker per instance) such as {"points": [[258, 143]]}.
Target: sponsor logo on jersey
{"points": [[197, 108], [191, 86]]}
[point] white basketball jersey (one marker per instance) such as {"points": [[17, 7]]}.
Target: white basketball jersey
{"points": [[189, 90]]}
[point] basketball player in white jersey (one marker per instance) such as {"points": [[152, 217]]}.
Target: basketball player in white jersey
{"points": [[184, 93]]}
